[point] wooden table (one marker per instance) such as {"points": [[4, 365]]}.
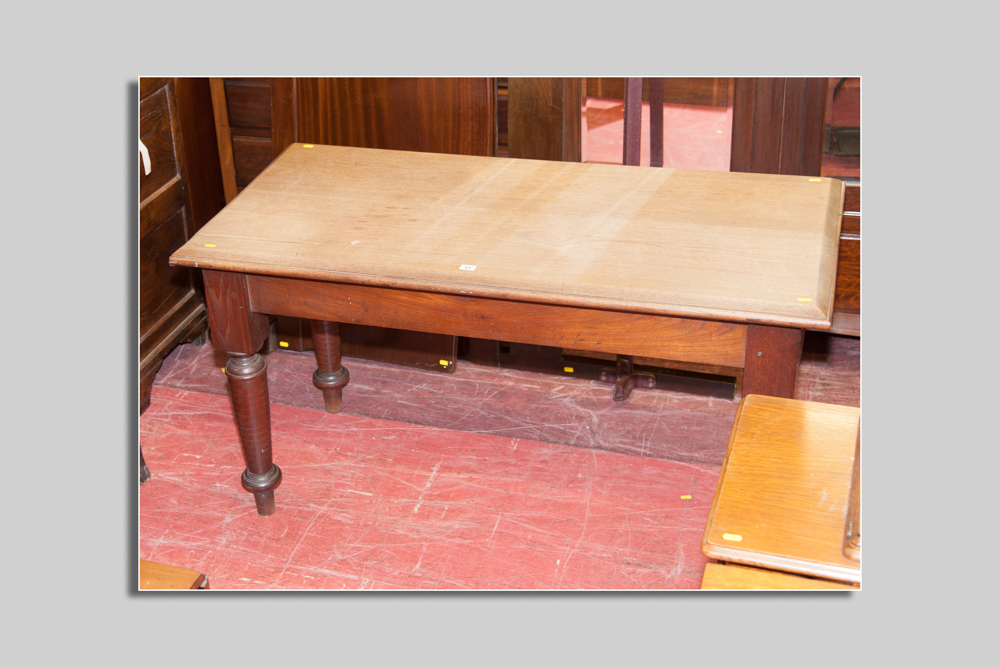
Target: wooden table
{"points": [[783, 497], [724, 269]]}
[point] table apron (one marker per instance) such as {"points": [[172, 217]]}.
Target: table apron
{"points": [[655, 336]]}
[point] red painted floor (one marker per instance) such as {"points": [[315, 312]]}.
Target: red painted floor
{"points": [[378, 504], [482, 479]]}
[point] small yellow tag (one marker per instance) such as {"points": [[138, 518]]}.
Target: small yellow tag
{"points": [[568, 369], [444, 362], [209, 245], [307, 145], [732, 538], [805, 299], [283, 344], [815, 180], [223, 369], [685, 497]]}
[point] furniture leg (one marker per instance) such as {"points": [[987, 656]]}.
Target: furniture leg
{"points": [[330, 377], [624, 383], [772, 360], [248, 385], [143, 469]]}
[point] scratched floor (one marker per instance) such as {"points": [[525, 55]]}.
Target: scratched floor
{"points": [[481, 479]]}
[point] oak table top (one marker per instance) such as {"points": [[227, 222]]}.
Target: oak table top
{"points": [[782, 497], [738, 247]]}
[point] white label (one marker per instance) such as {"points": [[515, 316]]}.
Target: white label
{"points": [[468, 267]]}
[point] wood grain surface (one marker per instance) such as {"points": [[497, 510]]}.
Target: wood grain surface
{"points": [[737, 247], [740, 577], [682, 339], [157, 576], [781, 502]]}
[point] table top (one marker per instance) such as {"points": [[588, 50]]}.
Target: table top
{"points": [[782, 497], [715, 245]]}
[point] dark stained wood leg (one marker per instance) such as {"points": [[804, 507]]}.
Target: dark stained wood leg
{"points": [[624, 383], [271, 344], [772, 360], [330, 377], [656, 122], [143, 469], [248, 385]]}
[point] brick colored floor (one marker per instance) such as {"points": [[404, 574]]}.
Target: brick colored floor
{"points": [[481, 479]]}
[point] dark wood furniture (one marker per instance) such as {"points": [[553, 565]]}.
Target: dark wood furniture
{"points": [[782, 499], [181, 191], [171, 302], [847, 302], [536, 254]]}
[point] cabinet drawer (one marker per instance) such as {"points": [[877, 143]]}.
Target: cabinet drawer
{"points": [[249, 104], [156, 132], [848, 293], [161, 286]]}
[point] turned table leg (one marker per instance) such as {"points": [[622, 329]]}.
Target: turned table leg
{"points": [[241, 332], [248, 385], [330, 377], [772, 360]]}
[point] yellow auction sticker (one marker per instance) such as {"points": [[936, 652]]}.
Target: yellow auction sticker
{"points": [[732, 538]]}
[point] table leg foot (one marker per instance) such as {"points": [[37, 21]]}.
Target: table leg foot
{"points": [[330, 377], [248, 385], [143, 469], [262, 488], [624, 383]]}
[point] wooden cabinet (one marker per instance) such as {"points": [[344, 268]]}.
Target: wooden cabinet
{"points": [[171, 303]]}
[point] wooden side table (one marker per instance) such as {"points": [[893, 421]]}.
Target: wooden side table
{"points": [[157, 576], [719, 577], [782, 501]]}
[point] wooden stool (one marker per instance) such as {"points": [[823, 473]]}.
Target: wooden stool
{"points": [[739, 577], [782, 501], [157, 576]]}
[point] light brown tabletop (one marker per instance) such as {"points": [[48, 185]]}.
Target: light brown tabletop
{"points": [[782, 497], [714, 245]]}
